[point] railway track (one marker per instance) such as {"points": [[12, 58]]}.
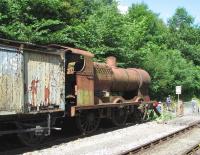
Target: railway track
{"points": [[56, 139], [152, 146], [195, 150], [123, 139]]}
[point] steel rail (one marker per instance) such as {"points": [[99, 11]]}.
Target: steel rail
{"points": [[161, 140], [192, 150]]}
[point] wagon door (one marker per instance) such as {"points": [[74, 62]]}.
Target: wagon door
{"points": [[44, 81], [11, 81]]}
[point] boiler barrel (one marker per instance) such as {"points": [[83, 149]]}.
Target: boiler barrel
{"points": [[129, 79], [119, 79], [111, 78]]}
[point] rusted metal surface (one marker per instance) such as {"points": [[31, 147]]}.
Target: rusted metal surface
{"points": [[109, 77], [72, 50], [129, 79], [103, 77], [44, 80], [11, 81], [74, 109], [111, 61], [26, 46], [85, 91], [85, 84], [110, 104]]}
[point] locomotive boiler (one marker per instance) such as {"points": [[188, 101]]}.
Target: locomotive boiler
{"points": [[129, 82], [42, 84]]}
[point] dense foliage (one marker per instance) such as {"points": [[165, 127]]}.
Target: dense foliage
{"points": [[169, 52]]}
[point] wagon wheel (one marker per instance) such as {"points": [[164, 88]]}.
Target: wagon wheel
{"points": [[88, 121], [119, 116], [29, 138]]}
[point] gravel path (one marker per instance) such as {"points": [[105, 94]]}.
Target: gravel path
{"points": [[118, 141]]}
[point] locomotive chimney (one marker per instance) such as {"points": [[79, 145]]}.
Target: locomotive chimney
{"points": [[111, 61]]}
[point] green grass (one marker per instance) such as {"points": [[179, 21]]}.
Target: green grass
{"points": [[165, 114]]}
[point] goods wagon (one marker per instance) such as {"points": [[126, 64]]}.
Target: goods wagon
{"points": [[32, 88], [39, 84]]}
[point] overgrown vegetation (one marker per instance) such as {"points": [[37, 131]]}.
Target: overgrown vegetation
{"points": [[165, 116], [169, 52]]}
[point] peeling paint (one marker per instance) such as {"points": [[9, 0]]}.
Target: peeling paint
{"points": [[29, 80], [11, 80], [34, 85], [45, 78]]}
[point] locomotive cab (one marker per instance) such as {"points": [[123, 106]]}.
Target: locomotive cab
{"points": [[79, 84], [74, 63]]}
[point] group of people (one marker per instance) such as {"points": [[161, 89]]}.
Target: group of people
{"points": [[179, 106], [159, 104]]}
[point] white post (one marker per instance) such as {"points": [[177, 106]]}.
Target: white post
{"points": [[178, 92], [178, 98], [176, 107]]}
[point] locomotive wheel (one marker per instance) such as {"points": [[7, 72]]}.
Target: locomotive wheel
{"points": [[137, 116], [150, 113], [119, 116], [88, 121], [29, 138], [143, 113], [140, 112]]}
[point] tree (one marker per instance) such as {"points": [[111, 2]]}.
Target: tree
{"points": [[184, 35], [42, 21], [169, 69], [102, 32], [180, 19]]}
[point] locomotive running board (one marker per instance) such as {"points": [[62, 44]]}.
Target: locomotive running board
{"points": [[106, 105]]}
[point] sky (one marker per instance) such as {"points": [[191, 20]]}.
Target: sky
{"points": [[166, 8]]}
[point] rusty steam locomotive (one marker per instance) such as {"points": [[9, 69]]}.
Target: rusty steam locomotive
{"points": [[39, 84]]}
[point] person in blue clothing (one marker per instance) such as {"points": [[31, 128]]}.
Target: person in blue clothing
{"points": [[194, 105], [168, 102], [159, 107]]}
